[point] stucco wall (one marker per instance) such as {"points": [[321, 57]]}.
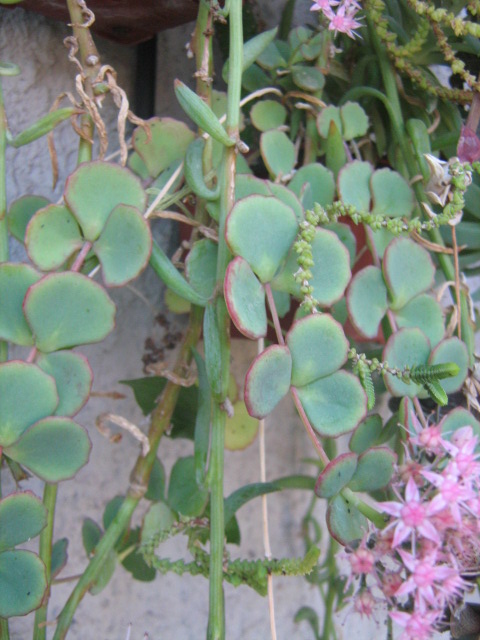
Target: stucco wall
{"points": [[171, 607]]}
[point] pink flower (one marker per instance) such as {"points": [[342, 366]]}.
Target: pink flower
{"points": [[362, 561], [412, 516], [417, 625], [364, 603], [344, 21]]}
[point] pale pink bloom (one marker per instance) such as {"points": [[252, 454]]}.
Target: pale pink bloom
{"points": [[417, 625], [344, 22], [429, 439], [364, 603], [324, 5], [452, 492], [391, 582], [412, 516], [362, 561]]}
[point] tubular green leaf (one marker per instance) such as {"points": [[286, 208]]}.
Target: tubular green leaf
{"points": [[194, 171], [172, 278], [43, 126], [252, 49], [201, 114]]}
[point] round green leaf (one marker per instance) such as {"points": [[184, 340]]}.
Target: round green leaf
{"points": [[457, 419], [54, 449], [374, 470], [68, 309], [246, 185], [354, 185], [407, 347], [321, 183], [22, 516], [287, 196], [268, 380], [241, 429], [331, 268], [308, 78], [166, 141], [354, 121], [59, 556], [201, 267], [124, 246], [20, 213], [278, 153], [425, 313], [175, 303], [325, 117], [23, 582], [408, 270], [346, 237], [336, 475], [318, 347], [245, 299], [391, 194], [451, 350], [335, 404], [367, 300], [157, 522], [268, 114], [73, 377], [249, 233], [344, 521], [27, 394], [366, 434], [52, 236], [285, 281], [95, 189], [15, 280], [184, 495]]}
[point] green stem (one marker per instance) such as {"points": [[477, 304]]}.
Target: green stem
{"points": [[328, 630], [4, 631], [160, 422], [4, 253], [369, 512], [216, 616], [45, 553]]}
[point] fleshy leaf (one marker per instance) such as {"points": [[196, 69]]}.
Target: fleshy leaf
{"points": [[451, 350], [184, 495], [73, 378], [201, 267], [68, 309], [326, 116], [374, 470], [278, 153], [15, 280], [20, 213], [157, 522], [124, 246], [287, 196], [367, 300], [425, 313], [241, 429], [59, 556], [54, 449], [366, 434], [321, 181], [168, 142], [250, 186], [263, 250], [335, 404], [95, 189], [344, 521], [27, 394], [346, 237], [407, 347], [245, 299], [391, 194], [23, 582], [268, 380], [354, 121], [268, 114], [457, 419], [22, 516], [52, 236], [331, 268], [318, 347], [408, 271], [308, 78], [354, 184], [336, 475]]}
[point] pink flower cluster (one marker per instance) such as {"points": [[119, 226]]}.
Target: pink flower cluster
{"points": [[418, 564], [342, 18]]}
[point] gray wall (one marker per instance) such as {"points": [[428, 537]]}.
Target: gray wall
{"points": [[171, 607]]}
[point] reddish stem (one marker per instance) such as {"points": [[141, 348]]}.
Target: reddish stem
{"points": [[80, 259], [273, 311]]}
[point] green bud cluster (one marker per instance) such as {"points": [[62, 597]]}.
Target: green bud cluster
{"points": [[303, 248]]}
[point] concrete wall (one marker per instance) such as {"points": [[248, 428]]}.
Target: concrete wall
{"points": [[171, 607]]}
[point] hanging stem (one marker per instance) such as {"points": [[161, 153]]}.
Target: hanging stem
{"points": [[45, 553], [4, 253]]}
